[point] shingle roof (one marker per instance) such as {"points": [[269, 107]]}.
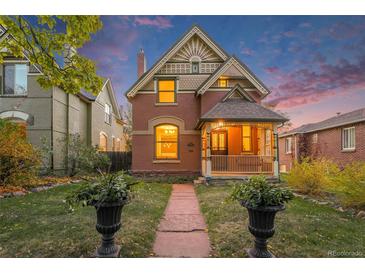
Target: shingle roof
{"points": [[339, 120], [242, 110]]}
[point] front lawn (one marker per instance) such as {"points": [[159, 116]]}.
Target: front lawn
{"points": [[39, 225], [305, 229]]}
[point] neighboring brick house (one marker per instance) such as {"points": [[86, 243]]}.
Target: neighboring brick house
{"points": [[340, 138], [52, 114], [197, 111]]}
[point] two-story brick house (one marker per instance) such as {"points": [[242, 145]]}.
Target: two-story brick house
{"points": [[340, 138], [197, 111]]}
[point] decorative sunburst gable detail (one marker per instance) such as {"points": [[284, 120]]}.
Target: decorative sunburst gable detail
{"points": [[195, 30], [196, 50], [242, 68], [238, 92]]}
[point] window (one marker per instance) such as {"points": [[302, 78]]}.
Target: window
{"points": [[219, 141], [166, 138], [113, 144], [348, 138], [315, 138], [195, 67], [267, 142], [288, 145], [222, 83], [108, 116], [103, 142], [166, 91], [246, 139], [15, 79]]}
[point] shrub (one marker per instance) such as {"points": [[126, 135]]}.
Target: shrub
{"points": [[312, 176], [257, 192], [349, 185], [107, 188], [19, 161], [81, 157]]}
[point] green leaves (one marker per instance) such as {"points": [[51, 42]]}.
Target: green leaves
{"points": [[44, 45], [105, 188], [257, 192]]}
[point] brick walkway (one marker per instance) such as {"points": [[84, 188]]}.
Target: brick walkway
{"points": [[182, 230]]}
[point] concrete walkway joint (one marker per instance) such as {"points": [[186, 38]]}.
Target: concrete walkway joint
{"points": [[182, 231]]}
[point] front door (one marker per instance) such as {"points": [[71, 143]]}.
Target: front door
{"points": [[219, 144]]}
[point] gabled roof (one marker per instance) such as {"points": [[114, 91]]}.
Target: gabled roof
{"points": [[109, 87], [233, 61], [195, 30], [239, 110], [336, 121], [237, 89]]}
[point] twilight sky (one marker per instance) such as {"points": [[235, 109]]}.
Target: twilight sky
{"points": [[314, 65]]}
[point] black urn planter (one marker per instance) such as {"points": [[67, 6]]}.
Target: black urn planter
{"points": [[108, 216], [261, 225]]}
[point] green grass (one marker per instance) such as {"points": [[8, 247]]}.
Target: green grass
{"points": [[39, 225], [304, 229]]}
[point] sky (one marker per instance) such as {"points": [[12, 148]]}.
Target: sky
{"points": [[313, 65]]}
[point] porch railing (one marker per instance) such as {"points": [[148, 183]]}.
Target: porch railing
{"points": [[250, 164]]}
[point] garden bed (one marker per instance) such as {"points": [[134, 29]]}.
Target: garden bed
{"points": [[39, 224], [305, 229]]}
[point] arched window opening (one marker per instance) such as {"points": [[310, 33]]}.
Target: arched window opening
{"points": [[166, 141]]}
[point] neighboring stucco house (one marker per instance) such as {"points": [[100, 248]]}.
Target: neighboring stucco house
{"points": [[197, 111], [53, 114], [340, 138]]}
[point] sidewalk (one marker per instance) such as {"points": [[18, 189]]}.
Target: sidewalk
{"points": [[182, 230]]}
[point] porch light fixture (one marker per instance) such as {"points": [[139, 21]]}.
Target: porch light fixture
{"points": [[220, 123]]}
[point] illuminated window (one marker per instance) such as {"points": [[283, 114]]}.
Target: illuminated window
{"points": [[315, 138], [166, 91], [219, 140], [166, 138], [267, 142], [246, 139], [222, 83], [103, 142]]}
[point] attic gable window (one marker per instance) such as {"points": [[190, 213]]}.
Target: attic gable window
{"points": [[166, 91], [222, 83], [108, 116]]}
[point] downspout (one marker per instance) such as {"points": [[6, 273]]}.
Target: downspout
{"points": [[277, 149], [67, 131]]}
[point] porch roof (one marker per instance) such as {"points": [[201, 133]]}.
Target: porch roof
{"points": [[241, 110]]}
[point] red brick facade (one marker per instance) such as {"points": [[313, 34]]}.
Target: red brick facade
{"points": [[329, 145]]}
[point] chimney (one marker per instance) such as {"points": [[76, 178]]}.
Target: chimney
{"points": [[141, 63]]}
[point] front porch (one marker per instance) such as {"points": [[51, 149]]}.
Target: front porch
{"points": [[239, 149]]}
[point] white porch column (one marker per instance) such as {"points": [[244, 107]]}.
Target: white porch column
{"points": [[276, 151], [208, 170]]}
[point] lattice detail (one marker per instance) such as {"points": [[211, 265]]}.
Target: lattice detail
{"points": [[183, 68], [196, 47], [208, 67], [191, 82]]}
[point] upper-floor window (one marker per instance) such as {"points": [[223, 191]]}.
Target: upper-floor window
{"points": [[15, 79], [246, 139], [348, 138], [108, 114], [166, 91], [222, 83], [195, 67], [288, 144]]}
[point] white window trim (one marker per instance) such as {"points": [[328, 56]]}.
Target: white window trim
{"points": [[109, 114], [2, 78], [343, 139], [290, 147]]}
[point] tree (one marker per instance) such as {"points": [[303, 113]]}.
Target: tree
{"points": [[19, 161], [45, 42], [127, 128]]}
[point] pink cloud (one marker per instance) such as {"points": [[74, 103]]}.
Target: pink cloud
{"points": [[159, 22], [305, 86], [273, 69]]}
